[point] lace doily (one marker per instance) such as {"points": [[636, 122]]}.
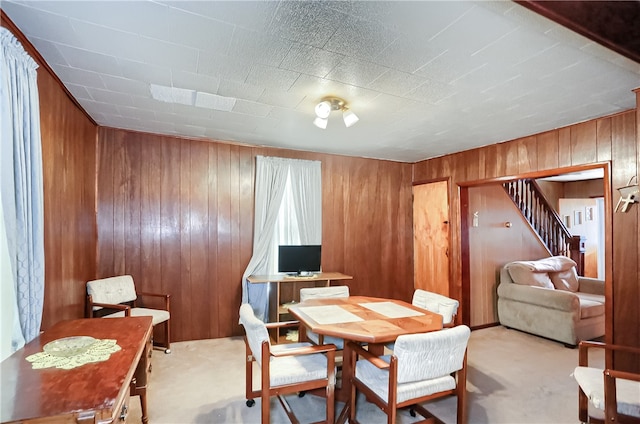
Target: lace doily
{"points": [[72, 352]]}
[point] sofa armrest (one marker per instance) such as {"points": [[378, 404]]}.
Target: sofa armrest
{"points": [[548, 298], [591, 285]]}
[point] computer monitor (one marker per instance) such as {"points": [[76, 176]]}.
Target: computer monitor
{"points": [[299, 260]]}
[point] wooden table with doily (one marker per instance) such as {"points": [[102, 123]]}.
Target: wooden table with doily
{"points": [[78, 371]]}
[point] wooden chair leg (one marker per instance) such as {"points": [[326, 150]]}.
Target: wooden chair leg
{"points": [[248, 376], [167, 339], [265, 385], [391, 413]]}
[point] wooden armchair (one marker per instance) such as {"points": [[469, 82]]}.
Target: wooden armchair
{"points": [[285, 368], [423, 367], [616, 393], [119, 293]]}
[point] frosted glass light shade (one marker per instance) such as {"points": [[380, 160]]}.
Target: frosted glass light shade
{"points": [[320, 123], [323, 109], [349, 118]]}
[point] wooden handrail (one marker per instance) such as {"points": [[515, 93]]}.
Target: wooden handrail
{"points": [[545, 221]]}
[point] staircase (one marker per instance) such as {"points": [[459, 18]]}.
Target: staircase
{"points": [[545, 221]]}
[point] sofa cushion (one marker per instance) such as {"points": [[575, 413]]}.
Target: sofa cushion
{"points": [[565, 280], [590, 308], [526, 273], [555, 264]]}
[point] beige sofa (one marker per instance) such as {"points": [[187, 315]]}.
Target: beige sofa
{"points": [[547, 298]]}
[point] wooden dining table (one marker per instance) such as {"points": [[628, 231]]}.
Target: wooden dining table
{"points": [[370, 320]]}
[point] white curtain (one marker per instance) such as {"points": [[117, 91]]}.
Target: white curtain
{"points": [[306, 185], [272, 175], [21, 186], [10, 331], [271, 178]]}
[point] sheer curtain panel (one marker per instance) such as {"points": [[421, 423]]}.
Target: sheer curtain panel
{"points": [[21, 186], [271, 179], [305, 182]]}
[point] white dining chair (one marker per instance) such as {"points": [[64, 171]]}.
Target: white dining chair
{"points": [[332, 292], [423, 367], [285, 369], [437, 303]]}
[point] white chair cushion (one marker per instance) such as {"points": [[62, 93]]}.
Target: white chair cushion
{"points": [[254, 329], [295, 369], [314, 337], [307, 293], [591, 381], [378, 381], [334, 292], [157, 315], [430, 355], [437, 303], [112, 290]]}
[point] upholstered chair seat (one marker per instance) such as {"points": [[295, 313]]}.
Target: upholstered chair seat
{"points": [[610, 392], [119, 294]]}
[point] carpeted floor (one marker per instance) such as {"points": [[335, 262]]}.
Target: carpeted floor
{"points": [[513, 378]]}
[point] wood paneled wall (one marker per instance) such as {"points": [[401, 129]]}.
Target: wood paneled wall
{"points": [[69, 168], [612, 139], [177, 214]]}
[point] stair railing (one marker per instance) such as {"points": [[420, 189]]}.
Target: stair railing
{"points": [[545, 221]]}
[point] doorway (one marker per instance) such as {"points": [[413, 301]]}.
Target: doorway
{"points": [[482, 260]]}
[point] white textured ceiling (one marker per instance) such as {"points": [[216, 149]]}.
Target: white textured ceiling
{"points": [[425, 78]]}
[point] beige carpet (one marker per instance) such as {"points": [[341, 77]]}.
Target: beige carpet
{"points": [[513, 378]]}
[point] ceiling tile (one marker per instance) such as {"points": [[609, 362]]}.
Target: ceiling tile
{"points": [[161, 53], [307, 22], [195, 81], [233, 68], [271, 78], [473, 30], [396, 82], [239, 90], [145, 72], [255, 15], [125, 85], [107, 41], [252, 108], [90, 61], [310, 60], [408, 54], [356, 72], [42, 23], [198, 32], [78, 76], [360, 39], [280, 98], [261, 48]]}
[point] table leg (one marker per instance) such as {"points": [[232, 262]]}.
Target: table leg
{"points": [[344, 394]]}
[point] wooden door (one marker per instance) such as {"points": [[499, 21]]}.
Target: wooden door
{"points": [[431, 237]]}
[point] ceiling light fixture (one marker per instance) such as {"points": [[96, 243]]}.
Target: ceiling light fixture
{"points": [[329, 104]]}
